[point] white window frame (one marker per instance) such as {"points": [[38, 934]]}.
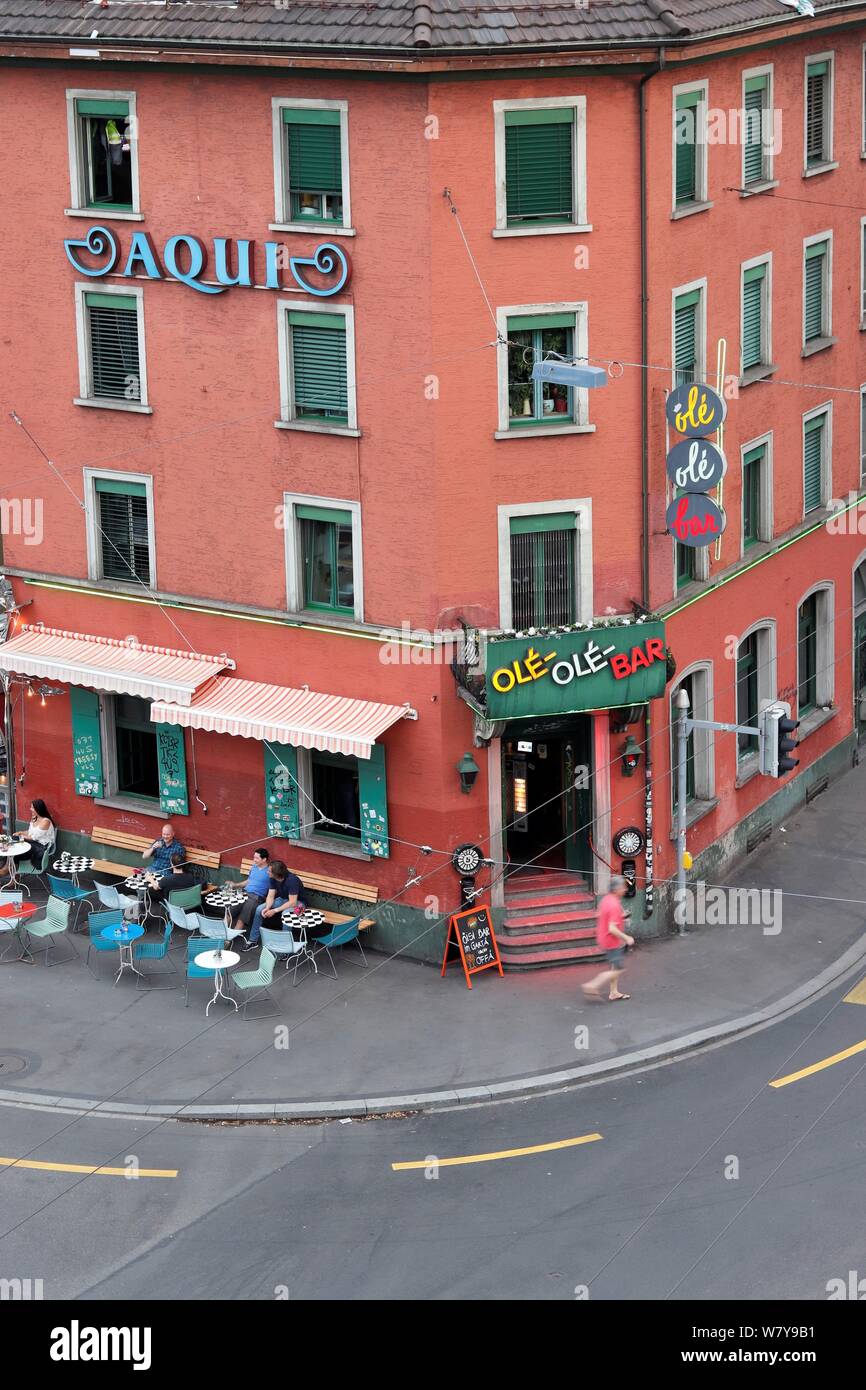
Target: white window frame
{"points": [[77, 174], [705, 761], [827, 291], [282, 204], [829, 113], [863, 101], [765, 630], [765, 520], [578, 105], [581, 425], [825, 647], [85, 362], [701, 161], [295, 554], [766, 310], [287, 420], [91, 513], [863, 272], [827, 459], [769, 149], [583, 573]]}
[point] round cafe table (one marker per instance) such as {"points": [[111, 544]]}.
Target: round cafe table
{"points": [[11, 918], [11, 850], [218, 961], [72, 864], [124, 937], [312, 922]]}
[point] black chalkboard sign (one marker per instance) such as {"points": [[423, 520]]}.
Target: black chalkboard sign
{"points": [[472, 940]]}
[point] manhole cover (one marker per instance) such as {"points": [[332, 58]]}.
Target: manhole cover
{"points": [[9, 1064]]}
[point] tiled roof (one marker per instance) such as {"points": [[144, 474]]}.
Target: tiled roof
{"points": [[384, 25]]}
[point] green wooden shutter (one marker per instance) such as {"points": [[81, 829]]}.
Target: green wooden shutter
{"points": [[319, 366], [171, 761], [817, 77], [314, 151], [86, 742], [90, 106], [753, 145], [813, 448], [813, 325], [686, 336], [373, 796], [282, 802], [753, 302], [112, 321], [539, 166], [123, 530], [685, 145]]}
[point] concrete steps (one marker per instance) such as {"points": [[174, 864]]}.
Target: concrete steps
{"points": [[549, 921]]}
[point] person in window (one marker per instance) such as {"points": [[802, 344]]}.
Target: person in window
{"points": [[179, 876], [257, 888], [286, 890], [40, 833], [162, 850]]}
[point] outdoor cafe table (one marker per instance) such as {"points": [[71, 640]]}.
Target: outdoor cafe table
{"points": [[11, 917], [123, 938], [218, 961], [11, 849], [73, 864], [312, 922], [139, 886]]}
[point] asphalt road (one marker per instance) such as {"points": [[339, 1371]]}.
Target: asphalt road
{"points": [[706, 1183]]}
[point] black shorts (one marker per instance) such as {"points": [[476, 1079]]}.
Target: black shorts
{"points": [[616, 958]]}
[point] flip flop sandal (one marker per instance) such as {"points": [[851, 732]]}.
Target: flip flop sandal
{"points": [[617, 998]]}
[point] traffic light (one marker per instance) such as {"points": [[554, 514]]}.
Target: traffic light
{"points": [[776, 742]]}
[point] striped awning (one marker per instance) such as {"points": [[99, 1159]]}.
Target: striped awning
{"points": [[277, 714], [126, 667]]}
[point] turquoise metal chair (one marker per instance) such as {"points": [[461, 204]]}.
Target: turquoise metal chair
{"points": [[66, 891], [187, 898], [53, 923], [194, 947], [27, 869], [254, 983], [342, 935], [283, 945], [214, 927], [96, 922], [155, 950], [109, 897]]}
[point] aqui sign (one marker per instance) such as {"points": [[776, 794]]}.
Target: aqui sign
{"points": [[600, 668], [185, 258]]}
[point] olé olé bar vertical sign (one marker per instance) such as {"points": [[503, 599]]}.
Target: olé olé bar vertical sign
{"points": [[693, 466], [566, 673]]}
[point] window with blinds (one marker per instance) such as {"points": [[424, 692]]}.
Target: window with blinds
{"points": [[753, 464], [543, 570], [815, 297], [688, 685], [539, 166], [686, 158], [756, 112], [112, 334], [319, 367], [818, 113], [326, 547], [124, 541], [754, 318], [807, 655], [863, 272], [814, 449], [686, 330], [313, 162], [747, 691], [862, 433]]}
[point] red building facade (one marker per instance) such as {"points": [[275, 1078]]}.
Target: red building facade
{"points": [[319, 475]]}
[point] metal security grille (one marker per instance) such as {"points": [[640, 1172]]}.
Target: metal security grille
{"points": [[816, 101], [542, 578], [114, 352], [123, 536]]}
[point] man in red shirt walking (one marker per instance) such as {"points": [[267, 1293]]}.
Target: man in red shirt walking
{"points": [[613, 940]]}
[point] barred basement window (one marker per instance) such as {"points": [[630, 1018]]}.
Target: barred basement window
{"points": [[543, 570], [312, 155], [123, 538], [113, 355]]}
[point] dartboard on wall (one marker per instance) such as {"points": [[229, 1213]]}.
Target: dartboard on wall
{"points": [[467, 859], [628, 842]]}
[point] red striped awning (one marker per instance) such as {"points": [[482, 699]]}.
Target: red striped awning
{"points": [[126, 667], [277, 714]]}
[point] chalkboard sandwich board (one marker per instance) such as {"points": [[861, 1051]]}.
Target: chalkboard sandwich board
{"points": [[471, 940]]}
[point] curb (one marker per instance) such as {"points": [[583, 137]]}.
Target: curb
{"points": [[526, 1086]]}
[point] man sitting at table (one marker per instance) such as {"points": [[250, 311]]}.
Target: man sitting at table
{"points": [[162, 849], [286, 890], [178, 877], [257, 887]]}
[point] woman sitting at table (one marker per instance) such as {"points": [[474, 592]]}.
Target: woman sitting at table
{"points": [[41, 833]]}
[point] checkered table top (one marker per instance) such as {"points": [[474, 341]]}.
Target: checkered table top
{"points": [[137, 881], [309, 918], [72, 864], [226, 897]]}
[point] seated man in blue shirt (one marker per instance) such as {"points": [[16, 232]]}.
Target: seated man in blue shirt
{"points": [[257, 887], [286, 889], [162, 849]]}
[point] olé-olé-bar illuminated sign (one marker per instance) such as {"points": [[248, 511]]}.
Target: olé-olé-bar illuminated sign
{"points": [[185, 258], [599, 668], [695, 467]]}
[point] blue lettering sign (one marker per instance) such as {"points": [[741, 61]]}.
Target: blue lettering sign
{"points": [[221, 260], [99, 242], [196, 263], [141, 250]]}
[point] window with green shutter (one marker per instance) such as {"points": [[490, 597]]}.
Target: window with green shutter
{"points": [[319, 367], [539, 166], [756, 100], [814, 444], [326, 547], [815, 323], [862, 433], [123, 529], [335, 793], [818, 113], [753, 464], [105, 151], [686, 330], [113, 357], [313, 158], [686, 166], [747, 691], [754, 317], [543, 570], [807, 655], [532, 338]]}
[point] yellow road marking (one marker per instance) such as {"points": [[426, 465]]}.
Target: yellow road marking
{"points": [[503, 1153], [87, 1168], [857, 995], [821, 1066]]}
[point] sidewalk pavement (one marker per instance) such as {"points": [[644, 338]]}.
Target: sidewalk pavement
{"points": [[397, 1037]]}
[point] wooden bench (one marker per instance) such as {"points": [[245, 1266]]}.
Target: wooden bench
{"points": [[138, 845], [340, 888]]}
